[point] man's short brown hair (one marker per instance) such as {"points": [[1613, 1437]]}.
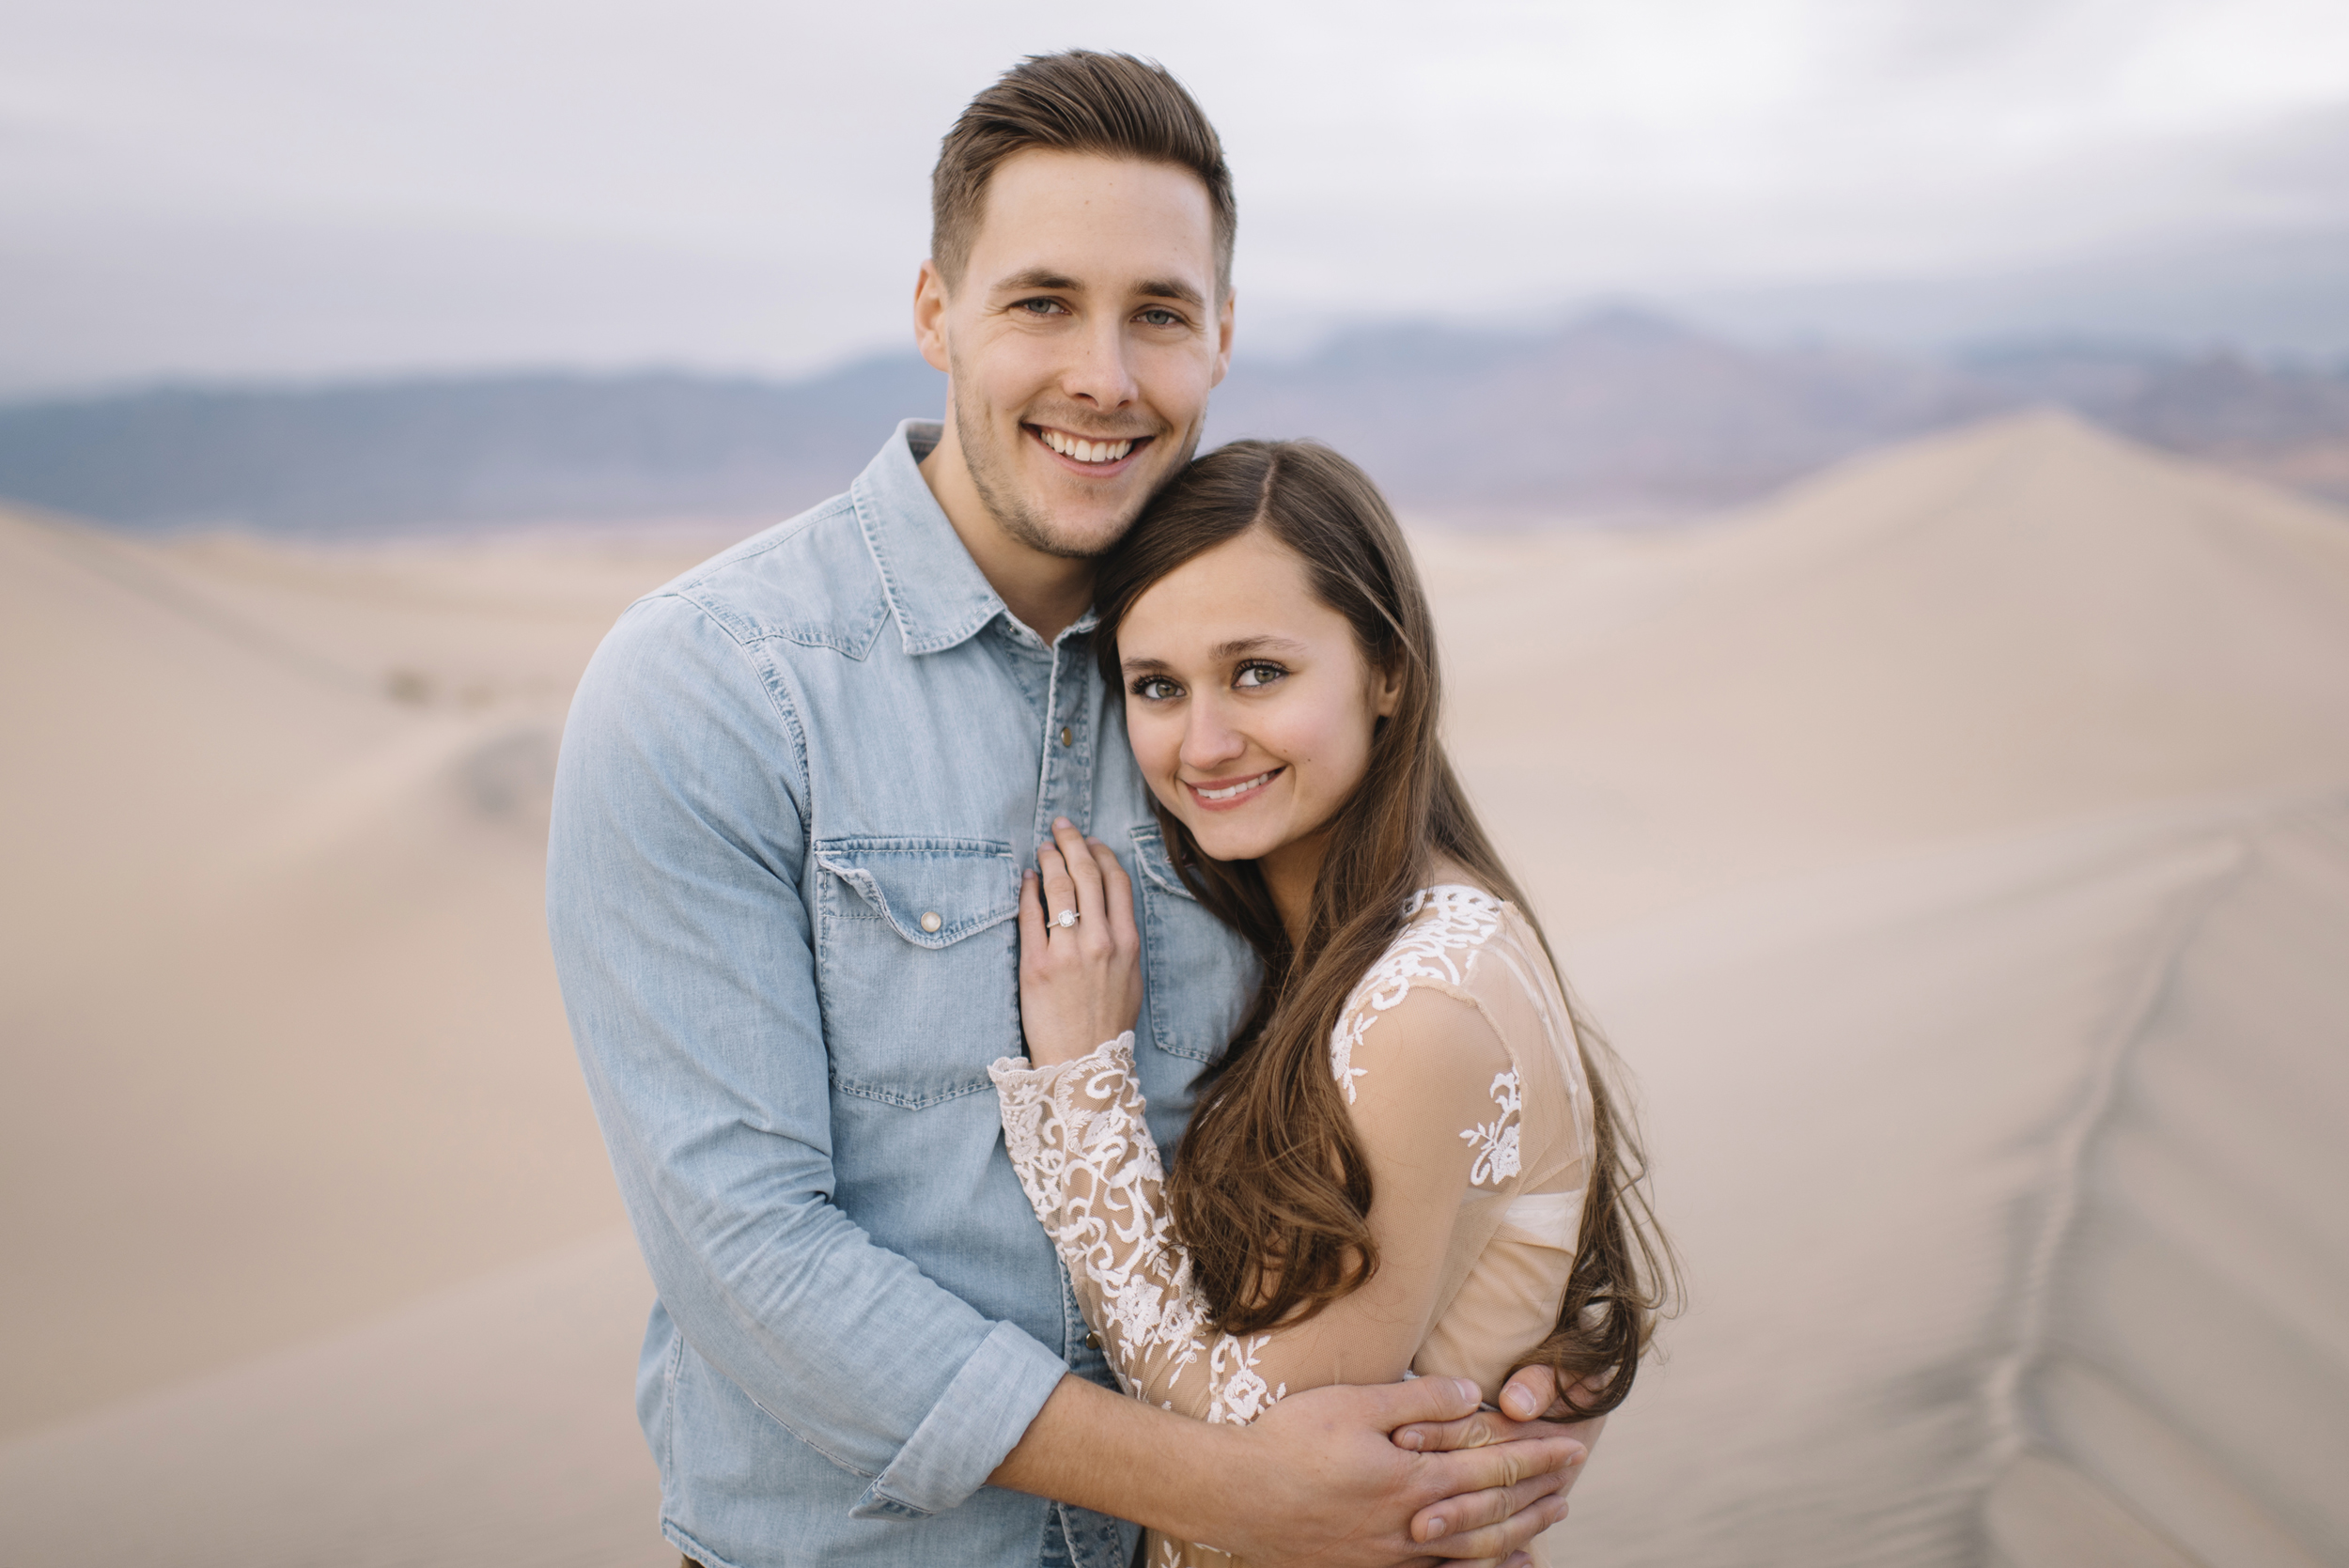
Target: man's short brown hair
{"points": [[1112, 105]]}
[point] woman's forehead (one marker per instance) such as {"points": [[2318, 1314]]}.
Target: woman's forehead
{"points": [[1246, 595]]}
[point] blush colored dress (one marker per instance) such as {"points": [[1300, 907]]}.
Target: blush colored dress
{"points": [[1521, 1164]]}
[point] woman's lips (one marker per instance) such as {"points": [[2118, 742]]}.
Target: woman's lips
{"points": [[1231, 793]]}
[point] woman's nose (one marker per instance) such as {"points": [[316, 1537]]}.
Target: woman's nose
{"points": [[1208, 740]]}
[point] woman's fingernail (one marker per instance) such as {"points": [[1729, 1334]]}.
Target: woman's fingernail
{"points": [[1435, 1529], [1471, 1392], [1408, 1439]]}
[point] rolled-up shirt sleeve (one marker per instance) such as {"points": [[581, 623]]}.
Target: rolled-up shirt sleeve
{"points": [[683, 944]]}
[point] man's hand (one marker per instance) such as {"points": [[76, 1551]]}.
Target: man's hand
{"points": [[1318, 1479], [1323, 1481], [1532, 1408]]}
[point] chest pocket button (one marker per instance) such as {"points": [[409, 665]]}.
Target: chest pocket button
{"points": [[930, 921]]}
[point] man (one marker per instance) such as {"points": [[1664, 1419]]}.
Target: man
{"points": [[795, 792]]}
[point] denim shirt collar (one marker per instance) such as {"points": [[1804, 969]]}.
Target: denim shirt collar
{"points": [[937, 592]]}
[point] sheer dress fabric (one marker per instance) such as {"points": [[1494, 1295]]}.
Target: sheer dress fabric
{"points": [[1519, 1165]]}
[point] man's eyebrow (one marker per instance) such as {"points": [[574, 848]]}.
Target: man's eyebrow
{"points": [[1150, 289], [1041, 277], [1170, 288]]}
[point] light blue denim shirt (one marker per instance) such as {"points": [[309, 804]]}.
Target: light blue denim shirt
{"points": [[797, 790]]}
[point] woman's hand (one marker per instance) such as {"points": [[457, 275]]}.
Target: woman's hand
{"points": [[1080, 985]]}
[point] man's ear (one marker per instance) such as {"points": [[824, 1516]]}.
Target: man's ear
{"points": [[1222, 340], [929, 316]]}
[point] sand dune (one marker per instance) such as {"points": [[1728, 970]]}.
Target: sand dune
{"points": [[1924, 837], [481, 1425], [2020, 623], [284, 1041], [1899, 1112]]}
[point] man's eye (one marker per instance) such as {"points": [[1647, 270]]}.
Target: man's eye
{"points": [[1258, 675], [1155, 688], [1042, 307], [1162, 318]]}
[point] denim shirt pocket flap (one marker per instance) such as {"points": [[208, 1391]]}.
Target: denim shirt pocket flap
{"points": [[1198, 973], [1151, 859], [932, 892]]}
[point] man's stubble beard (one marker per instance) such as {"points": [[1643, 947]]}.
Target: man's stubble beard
{"points": [[1011, 511]]}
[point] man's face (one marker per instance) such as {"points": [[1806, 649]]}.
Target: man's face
{"points": [[1082, 343]]}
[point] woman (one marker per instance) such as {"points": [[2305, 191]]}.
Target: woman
{"points": [[1404, 1163]]}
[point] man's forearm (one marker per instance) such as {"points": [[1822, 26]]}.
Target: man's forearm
{"points": [[1100, 1450]]}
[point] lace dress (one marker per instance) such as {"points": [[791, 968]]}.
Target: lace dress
{"points": [[1460, 1070]]}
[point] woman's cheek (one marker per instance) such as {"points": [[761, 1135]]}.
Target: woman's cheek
{"points": [[1335, 758], [1157, 746]]}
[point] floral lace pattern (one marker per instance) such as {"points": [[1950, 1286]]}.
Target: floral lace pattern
{"points": [[1078, 1138], [1496, 1141], [1424, 949]]}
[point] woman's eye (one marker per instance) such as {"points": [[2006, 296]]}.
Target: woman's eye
{"points": [[1155, 688], [1257, 674]]}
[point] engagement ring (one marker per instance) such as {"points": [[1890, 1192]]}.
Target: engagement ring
{"points": [[1066, 919]]}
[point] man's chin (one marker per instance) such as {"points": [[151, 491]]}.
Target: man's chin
{"points": [[1038, 501], [1072, 538], [1080, 527], [1083, 525]]}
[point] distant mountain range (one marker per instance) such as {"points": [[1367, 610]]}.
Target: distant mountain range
{"points": [[1617, 416]]}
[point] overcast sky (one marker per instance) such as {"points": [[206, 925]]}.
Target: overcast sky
{"points": [[323, 187]]}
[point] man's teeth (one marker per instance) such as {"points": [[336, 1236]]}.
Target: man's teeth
{"points": [[1087, 451], [1240, 789]]}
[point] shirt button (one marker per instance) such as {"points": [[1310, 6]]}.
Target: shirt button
{"points": [[1093, 1339], [1067, 736], [930, 921]]}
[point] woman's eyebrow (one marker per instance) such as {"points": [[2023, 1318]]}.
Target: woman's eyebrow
{"points": [[1236, 647], [1240, 645]]}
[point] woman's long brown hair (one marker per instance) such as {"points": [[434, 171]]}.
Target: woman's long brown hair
{"points": [[1269, 1192]]}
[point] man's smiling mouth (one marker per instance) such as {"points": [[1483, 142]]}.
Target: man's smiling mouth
{"points": [[1084, 449]]}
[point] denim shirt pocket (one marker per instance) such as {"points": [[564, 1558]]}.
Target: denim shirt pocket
{"points": [[918, 961], [1198, 974]]}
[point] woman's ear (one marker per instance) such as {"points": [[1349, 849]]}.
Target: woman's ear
{"points": [[1387, 694]]}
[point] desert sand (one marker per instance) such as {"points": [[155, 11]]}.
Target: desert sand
{"points": [[1955, 847]]}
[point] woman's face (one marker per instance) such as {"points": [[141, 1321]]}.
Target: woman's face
{"points": [[1247, 701]]}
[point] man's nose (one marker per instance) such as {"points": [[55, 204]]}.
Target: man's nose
{"points": [[1100, 374]]}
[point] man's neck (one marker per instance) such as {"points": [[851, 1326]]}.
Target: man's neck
{"points": [[1048, 593]]}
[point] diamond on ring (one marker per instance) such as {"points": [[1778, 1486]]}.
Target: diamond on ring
{"points": [[1066, 919]]}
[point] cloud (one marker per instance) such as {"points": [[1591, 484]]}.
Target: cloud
{"points": [[268, 185]]}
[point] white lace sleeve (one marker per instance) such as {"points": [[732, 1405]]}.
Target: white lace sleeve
{"points": [[1090, 1169]]}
